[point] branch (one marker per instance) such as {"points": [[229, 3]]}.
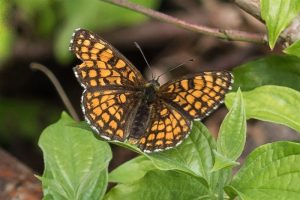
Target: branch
{"points": [[252, 7], [223, 34], [58, 87]]}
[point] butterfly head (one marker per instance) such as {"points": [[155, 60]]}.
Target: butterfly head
{"points": [[153, 84]]}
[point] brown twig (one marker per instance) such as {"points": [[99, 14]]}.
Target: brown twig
{"points": [[233, 35], [252, 7], [58, 87]]}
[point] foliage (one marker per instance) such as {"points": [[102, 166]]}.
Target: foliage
{"points": [[6, 35], [294, 49], [26, 118], [278, 15], [76, 163], [61, 17]]}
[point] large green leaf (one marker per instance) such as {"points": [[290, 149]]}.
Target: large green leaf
{"points": [[94, 15], [194, 157], [232, 135], [272, 70], [75, 162], [278, 15], [272, 171], [160, 185], [271, 103]]}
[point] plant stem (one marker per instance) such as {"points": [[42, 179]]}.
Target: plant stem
{"points": [[233, 35], [58, 87], [252, 7]]}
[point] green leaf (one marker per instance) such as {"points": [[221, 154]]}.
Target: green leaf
{"points": [[194, 156], [278, 15], [94, 15], [293, 49], [271, 103], [75, 162], [132, 170], [272, 171], [232, 135], [40, 15], [160, 185], [222, 162], [272, 70]]}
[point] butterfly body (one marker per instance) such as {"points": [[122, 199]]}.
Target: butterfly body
{"points": [[121, 105]]}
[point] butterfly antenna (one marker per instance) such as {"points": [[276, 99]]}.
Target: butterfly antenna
{"points": [[173, 68], [140, 49]]}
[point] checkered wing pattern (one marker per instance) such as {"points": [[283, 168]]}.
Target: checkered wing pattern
{"points": [[116, 95], [108, 112], [111, 83], [167, 129], [103, 66], [197, 95]]}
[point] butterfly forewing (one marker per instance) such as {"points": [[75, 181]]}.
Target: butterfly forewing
{"points": [[102, 64], [197, 95]]}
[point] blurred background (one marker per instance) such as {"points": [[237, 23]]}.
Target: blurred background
{"points": [[40, 31]]}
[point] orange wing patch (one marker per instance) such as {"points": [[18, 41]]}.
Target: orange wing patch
{"points": [[102, 64], [167, 129], [196, 96], [107, 112]]}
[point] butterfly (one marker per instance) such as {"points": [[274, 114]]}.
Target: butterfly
{"points": [[119, 104]]}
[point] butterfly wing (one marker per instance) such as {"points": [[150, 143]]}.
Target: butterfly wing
{"points": [[108, 112], [191, 97], [111, 85], [167, 128], [103, 66], [197, 95]]}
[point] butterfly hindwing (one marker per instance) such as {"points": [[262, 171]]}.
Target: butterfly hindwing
{"points": [[197, 95], [108, 112], [102, 64], [167, 129]]}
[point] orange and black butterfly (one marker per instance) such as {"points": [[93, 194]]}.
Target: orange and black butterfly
{"points": [[119, 104]]}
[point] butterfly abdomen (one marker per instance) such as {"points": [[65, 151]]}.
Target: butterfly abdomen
{"points": [[142, 117], [141, 121]]}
